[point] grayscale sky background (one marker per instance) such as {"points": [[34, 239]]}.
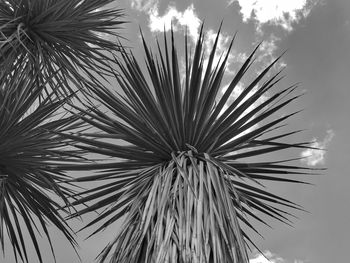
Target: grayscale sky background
{"points": [[316, 35]]}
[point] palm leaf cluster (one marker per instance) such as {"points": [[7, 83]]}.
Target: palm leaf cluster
{"points": [[31, 180], [58, 35], [185, 173]]}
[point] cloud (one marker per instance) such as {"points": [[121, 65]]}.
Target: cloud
{"points": [[271, 258], [235, 57], [281, 13], [223, 42], [190, 20], [241, 57], [144, 5], [186, 19], [236, 92], [221, 49], [266, 53], [268, 258], [313, 157], [268, 48]]}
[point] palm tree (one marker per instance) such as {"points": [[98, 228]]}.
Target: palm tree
{"points": [[32, 184], [68, 41], [185, 172], [48, 48]]}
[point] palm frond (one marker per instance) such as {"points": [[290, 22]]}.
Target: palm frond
{"points": [[32, 185], [186, 173], [71, 37]]}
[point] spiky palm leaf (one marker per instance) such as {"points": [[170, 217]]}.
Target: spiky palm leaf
{"points": [[182, 175], [69, 36], [31, 189]]}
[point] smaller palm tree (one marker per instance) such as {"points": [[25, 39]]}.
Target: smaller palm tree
{"points": [[186, 174], [32, 189], [68, 37]]}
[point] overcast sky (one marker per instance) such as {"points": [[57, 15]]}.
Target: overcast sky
{"points": [[317, 37]]}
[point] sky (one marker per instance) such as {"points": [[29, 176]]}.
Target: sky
{"points": [[316, 35]]}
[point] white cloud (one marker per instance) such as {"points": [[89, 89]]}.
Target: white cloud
{"points": [[271, 258], [236, 92], [186, 19], [268, 47], [268, 258], [266, 53], [221, 48], [241, 57], [144, 5], [277, 12], [190, 20], [313, 157], [223, 41]]}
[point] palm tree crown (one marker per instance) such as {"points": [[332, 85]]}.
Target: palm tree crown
{"points": [[58, 36], [183, 172], [48, 48], [32, 189]]}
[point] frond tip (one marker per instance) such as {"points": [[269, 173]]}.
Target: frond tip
{"points": [[186, 173]]}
